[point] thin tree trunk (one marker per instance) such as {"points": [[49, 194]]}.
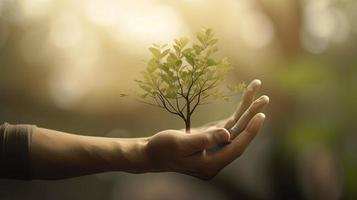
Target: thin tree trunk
{"points": [[188, 124], [188, 117]]}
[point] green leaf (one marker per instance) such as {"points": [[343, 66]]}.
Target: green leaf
{"points": [[183, 42], [213, 41], [189, 58], [211, 62], [146, 88], [178, 62], [197, 48], [155, 52], [201, 37], [187, 50], [172, 58], [165, 52], [177, 48]]}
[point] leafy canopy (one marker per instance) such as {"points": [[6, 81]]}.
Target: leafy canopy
{"points": [[182, 77]]}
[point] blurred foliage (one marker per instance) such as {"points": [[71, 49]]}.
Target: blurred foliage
{"points": [[62, 64]]}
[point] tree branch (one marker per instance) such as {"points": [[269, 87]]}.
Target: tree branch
{"points": [[200, 92], [151, 104], [210, 86], [178, 79], [178, 108], [165, 106], [194, 81], [195, 106], [163, 98], [168, 101]]}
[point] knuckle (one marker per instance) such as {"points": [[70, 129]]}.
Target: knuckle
{"points": [[221, 130], [223, 133]]}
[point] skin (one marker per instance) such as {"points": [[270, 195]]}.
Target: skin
{"points": [[203, 153]]}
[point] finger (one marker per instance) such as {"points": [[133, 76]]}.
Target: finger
{"points": [[240, 143], [256, 107], [192, 143], [247, 98]]}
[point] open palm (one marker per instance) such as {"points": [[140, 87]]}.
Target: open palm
{"points": [[211, 147]]}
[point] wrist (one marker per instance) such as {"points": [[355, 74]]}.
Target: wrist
{"points": [[132, 155]]}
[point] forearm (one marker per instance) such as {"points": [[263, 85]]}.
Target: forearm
{"points": [[57, 154]]}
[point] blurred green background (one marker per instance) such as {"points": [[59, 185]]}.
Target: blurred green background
{"points": [[64, 64]]}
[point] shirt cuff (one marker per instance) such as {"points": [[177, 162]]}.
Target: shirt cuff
{"points": [[15, 148]]}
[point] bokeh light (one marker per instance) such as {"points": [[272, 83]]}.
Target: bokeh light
{"points": [[323, 24], [65, 64]]}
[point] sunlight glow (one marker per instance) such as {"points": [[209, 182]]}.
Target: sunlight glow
{"points": [[73, 77], [319, 19], [134, 23], [323, 24], [256, 29], [246, 20], [70, 83], [105, 12], [160, 23], [66, 31], [36, 8], [65, 90]]}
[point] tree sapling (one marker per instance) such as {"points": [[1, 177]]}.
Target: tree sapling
{"points": [[180, 78]]}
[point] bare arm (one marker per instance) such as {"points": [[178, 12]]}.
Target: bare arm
{"points": [[57, 154]]}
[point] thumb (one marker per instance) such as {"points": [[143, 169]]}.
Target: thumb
{"points": [[240, 143], [205, 140]]}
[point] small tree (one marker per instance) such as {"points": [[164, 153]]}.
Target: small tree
{"points": [[181, 78]]}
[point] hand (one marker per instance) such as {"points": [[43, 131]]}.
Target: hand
{"points": [[191, 154]]}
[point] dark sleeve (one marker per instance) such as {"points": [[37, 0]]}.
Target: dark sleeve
{"points": [[15, 143]]}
